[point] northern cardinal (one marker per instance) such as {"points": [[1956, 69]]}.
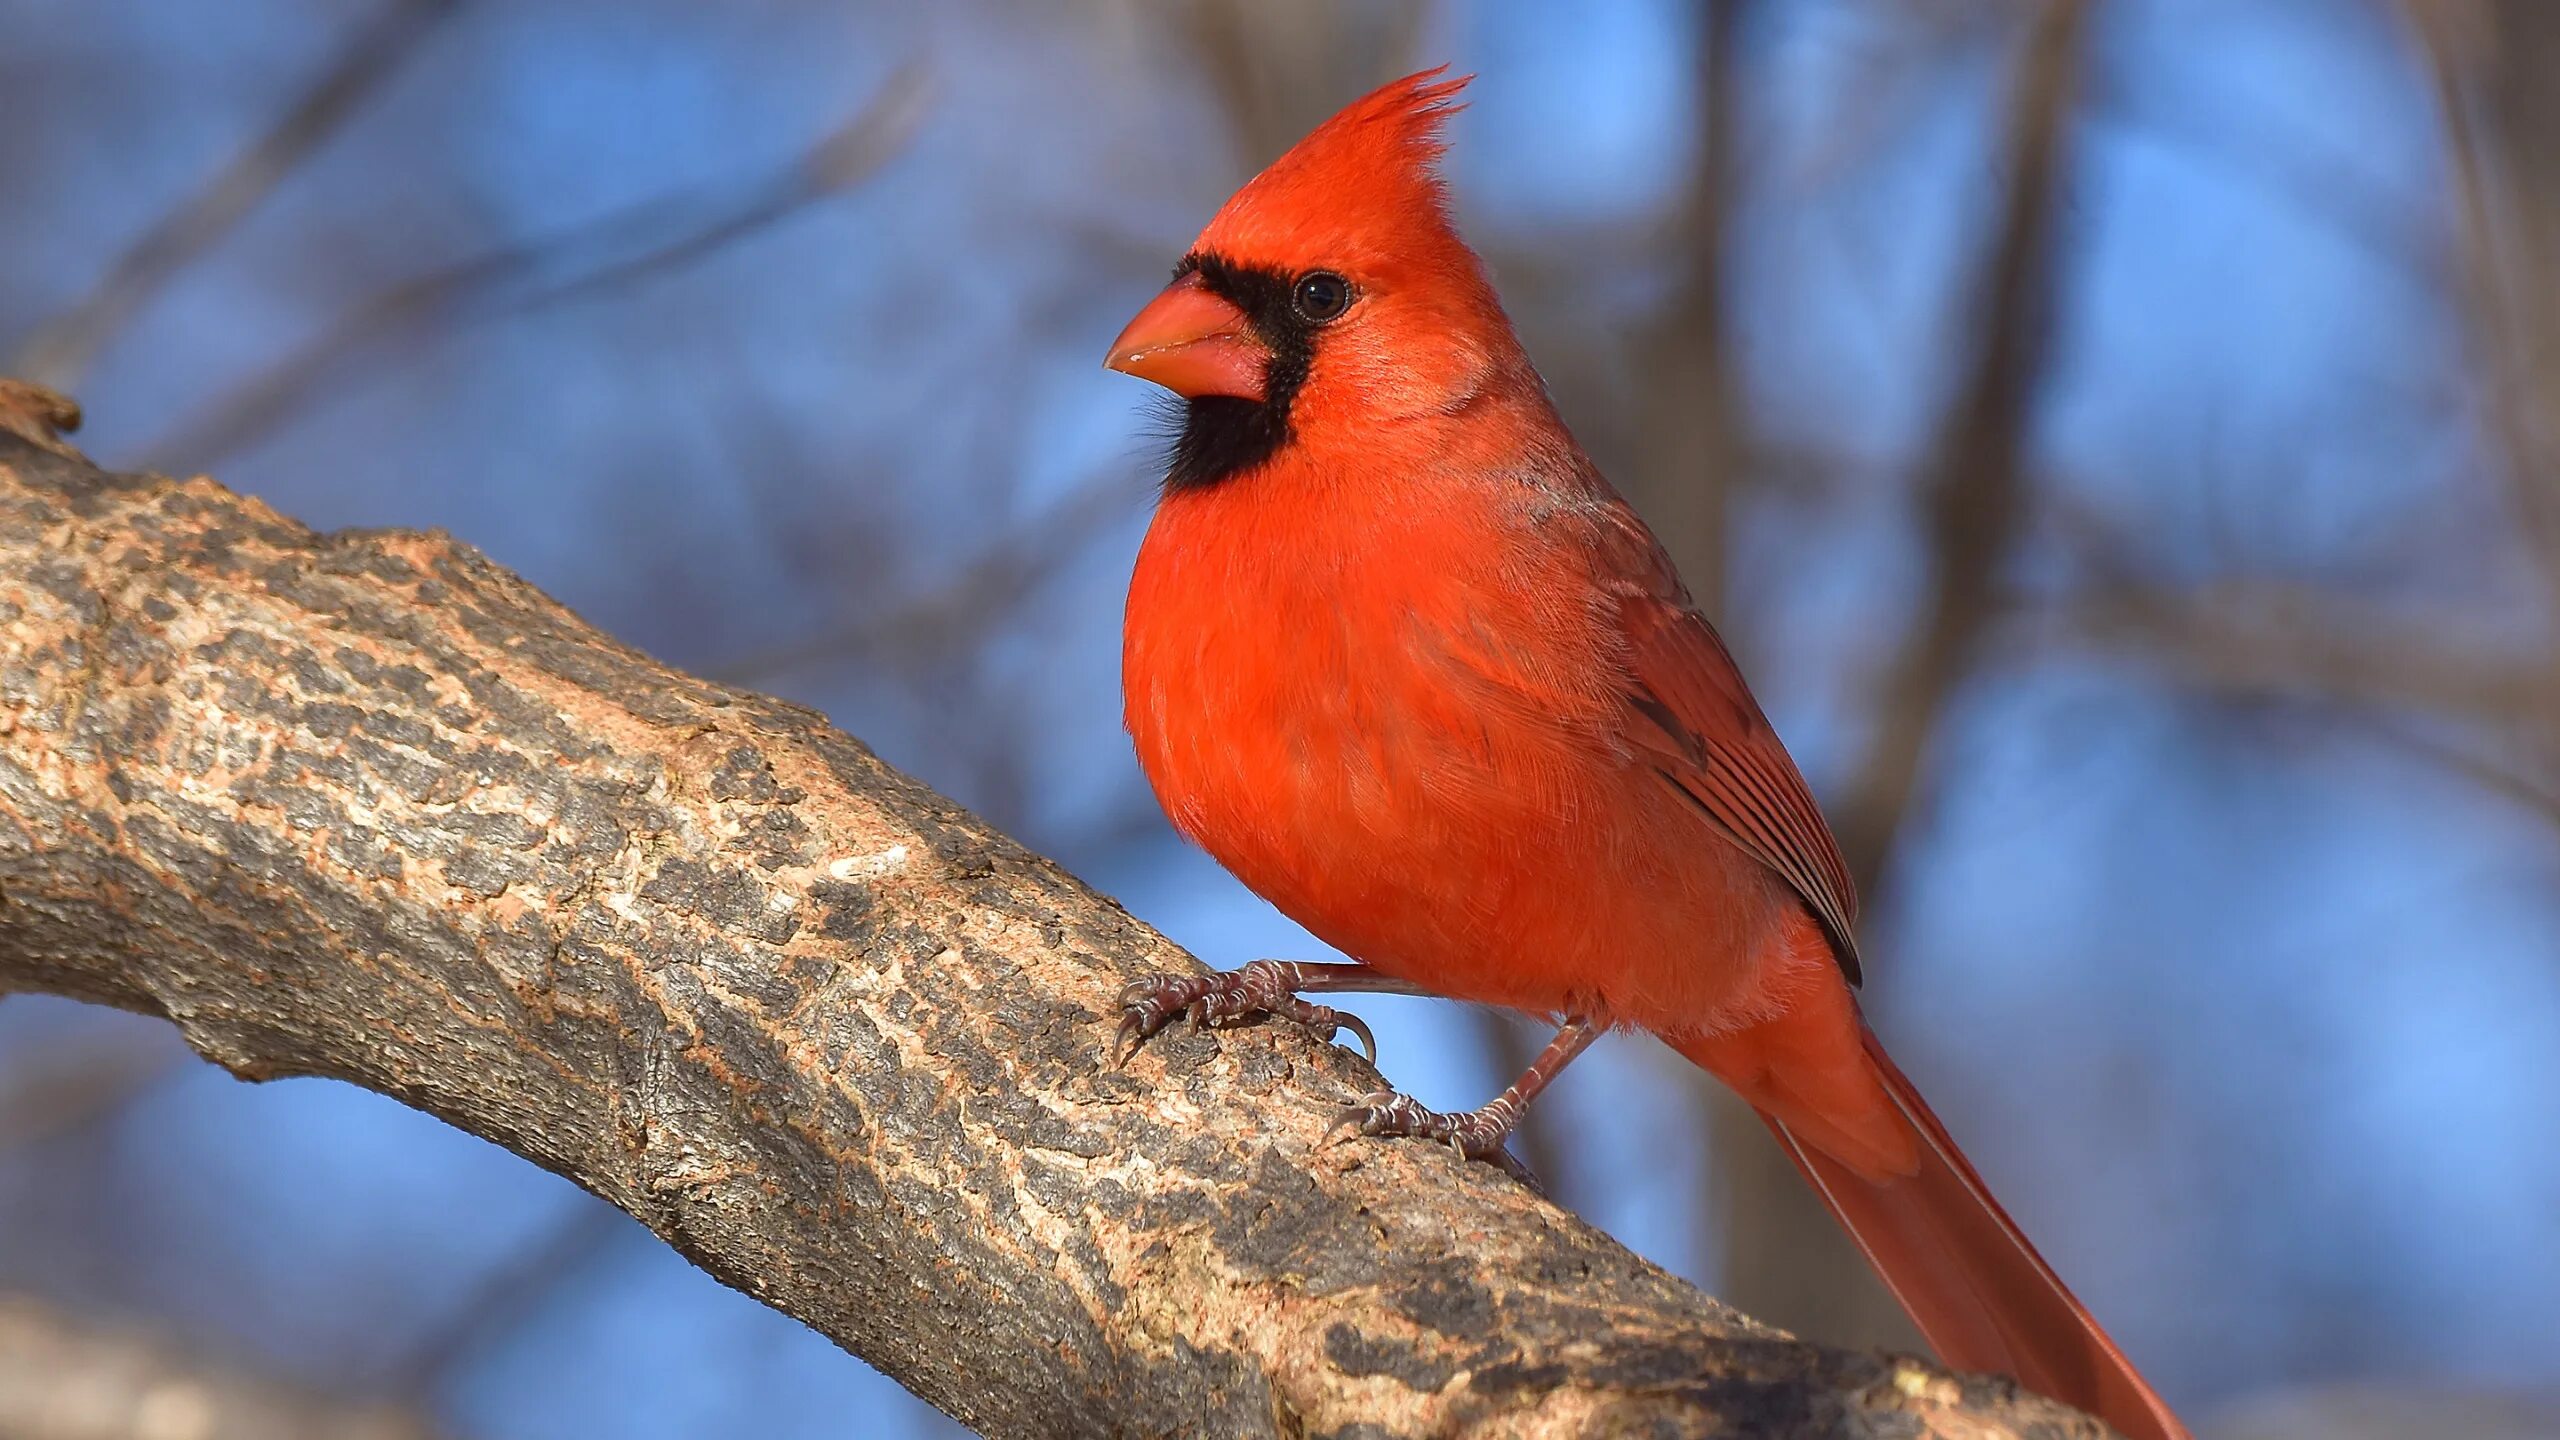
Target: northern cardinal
{"points": [[1400, 659]]}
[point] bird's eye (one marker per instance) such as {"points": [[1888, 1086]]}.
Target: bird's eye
{"points": [[1320, 295]]}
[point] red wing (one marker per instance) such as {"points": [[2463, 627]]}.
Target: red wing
{"points": [[1694, 720]]}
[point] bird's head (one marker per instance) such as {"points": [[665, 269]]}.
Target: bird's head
{"points": [[1329, 298]]}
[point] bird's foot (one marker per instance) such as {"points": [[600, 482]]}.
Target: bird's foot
{"points": [[1223, 998], [1476, 1134]]}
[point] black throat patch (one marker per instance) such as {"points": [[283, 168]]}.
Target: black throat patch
{"points": [[1224, 436]]}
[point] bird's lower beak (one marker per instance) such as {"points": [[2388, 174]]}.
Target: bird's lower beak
{"points": [[1192, 343]]}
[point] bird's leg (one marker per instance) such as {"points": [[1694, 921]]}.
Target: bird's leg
{"points": [[1264, 987], [1476, 1134]]}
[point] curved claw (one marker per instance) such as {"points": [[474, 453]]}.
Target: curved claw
{"points": [[1359, 1027], [1357, 1117], [1216, 1001], [1148, 1005]]}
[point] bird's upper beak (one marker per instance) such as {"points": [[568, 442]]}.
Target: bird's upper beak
{"points": [[1192, 343]]}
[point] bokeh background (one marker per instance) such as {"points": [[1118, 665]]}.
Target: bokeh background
{"points": [[2122, 438]]}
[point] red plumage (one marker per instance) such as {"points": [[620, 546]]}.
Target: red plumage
{"points": [[1399, 657]]}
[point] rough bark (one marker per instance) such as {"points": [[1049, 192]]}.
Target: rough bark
{"points": [[364, 805]]}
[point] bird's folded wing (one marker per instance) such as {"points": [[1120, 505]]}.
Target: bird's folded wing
{"points": [[1692, 718]]}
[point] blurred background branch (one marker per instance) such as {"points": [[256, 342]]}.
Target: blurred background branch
{"points": [[621, 248], [1973, 498], [59, 353], [77, 1081], [2492, 67], [1974, 492], [71, 1378], [510, 1296]]}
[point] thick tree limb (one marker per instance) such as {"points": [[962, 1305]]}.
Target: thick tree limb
{"points": [[364, 805]]}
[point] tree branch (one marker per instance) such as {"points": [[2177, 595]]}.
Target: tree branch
{"points": [[366, 806]]}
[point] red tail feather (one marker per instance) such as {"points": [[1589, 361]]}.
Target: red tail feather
{"points": [[1978, 1290]]}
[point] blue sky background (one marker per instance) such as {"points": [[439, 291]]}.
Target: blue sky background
{"points": [[2248, 1017]]}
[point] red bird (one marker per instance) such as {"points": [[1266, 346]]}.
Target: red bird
{"points": [[1403, 661]]}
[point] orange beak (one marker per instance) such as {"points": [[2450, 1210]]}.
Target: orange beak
{"points": [[1192, 343]]}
